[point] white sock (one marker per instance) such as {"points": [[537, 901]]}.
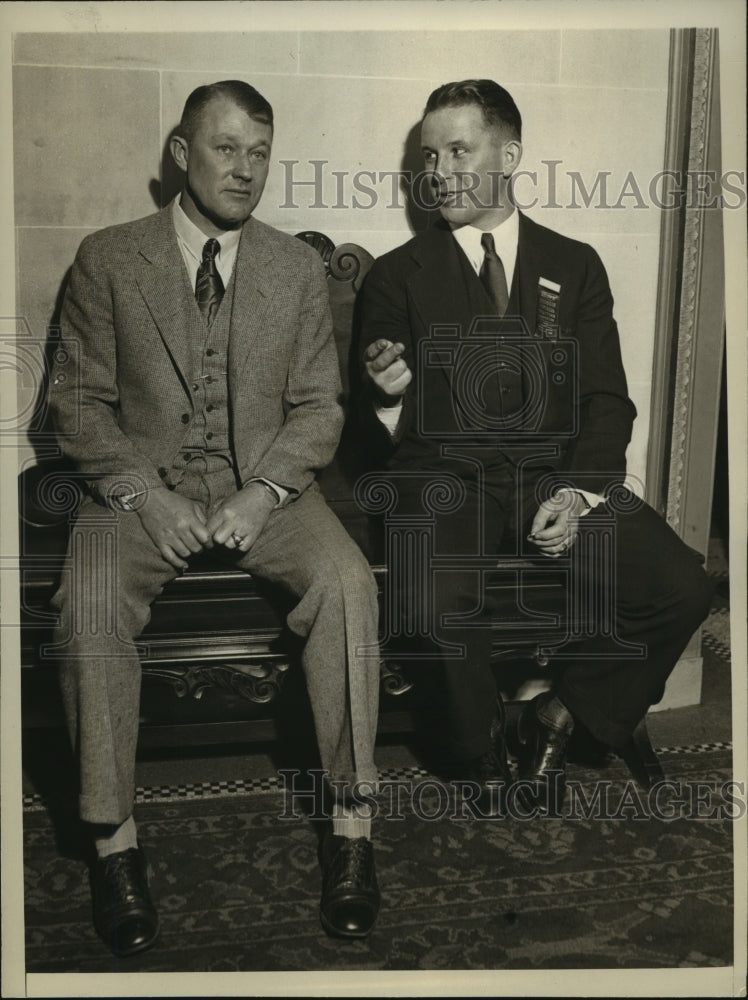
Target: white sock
{"points": [[351, 821], [122, 838]]}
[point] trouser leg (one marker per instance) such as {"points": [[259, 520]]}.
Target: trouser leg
{"points": [[660, 595], [441, 619], [111, 576], [305, 548]]}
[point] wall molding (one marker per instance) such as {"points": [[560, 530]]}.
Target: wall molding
{"points": [[689, 324]]}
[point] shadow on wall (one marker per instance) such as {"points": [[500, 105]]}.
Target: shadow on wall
{"points": [[164, 190], [418, 192]]}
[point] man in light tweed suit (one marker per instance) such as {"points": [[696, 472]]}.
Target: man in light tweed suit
{"points": [[204, 396]]}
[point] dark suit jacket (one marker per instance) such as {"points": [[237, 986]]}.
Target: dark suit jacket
{"points": [[120, 390], [581, 413]]}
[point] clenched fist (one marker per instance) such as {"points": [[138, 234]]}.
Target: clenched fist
{"points": [[388, 371]]}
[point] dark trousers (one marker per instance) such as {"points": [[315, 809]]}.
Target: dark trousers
{"points": [[644, 592]]}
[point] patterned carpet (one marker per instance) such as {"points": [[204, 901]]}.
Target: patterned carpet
{"points": [[623, 880], [620, 887]]}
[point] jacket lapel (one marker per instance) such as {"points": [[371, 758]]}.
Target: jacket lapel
{"points": [[535, 261], [437, 289], [440, 296], [162, 280], [254, 278]]}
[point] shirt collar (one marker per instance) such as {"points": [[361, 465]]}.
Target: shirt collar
{"points": [[505, 237], [193, 239]]}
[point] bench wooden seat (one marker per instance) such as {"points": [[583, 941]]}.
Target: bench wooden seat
{"points": [[216, 655]]}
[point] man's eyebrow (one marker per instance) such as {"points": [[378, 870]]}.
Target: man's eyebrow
{"points": [[230, 137], [450, 142]]}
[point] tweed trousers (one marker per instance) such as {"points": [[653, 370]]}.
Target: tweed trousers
{"points": [[113, 573]]}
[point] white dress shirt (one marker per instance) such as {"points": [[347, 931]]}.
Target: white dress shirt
{"points": [[505, 239], [191, 241]]}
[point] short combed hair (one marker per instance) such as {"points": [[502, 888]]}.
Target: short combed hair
{"points": [[497, 104], [242, 94]]}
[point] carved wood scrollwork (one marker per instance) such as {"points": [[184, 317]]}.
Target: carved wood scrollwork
{"points": [[259, 682], [392, 680], [321, 243], [348, 262]]}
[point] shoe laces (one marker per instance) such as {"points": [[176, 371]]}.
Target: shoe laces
{"points": [[350, 862], [124, 873]]}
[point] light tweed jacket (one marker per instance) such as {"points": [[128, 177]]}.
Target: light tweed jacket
{"points": [[120, 388]]}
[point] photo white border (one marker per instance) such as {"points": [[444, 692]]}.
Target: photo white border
{"points": [[448, 15]]}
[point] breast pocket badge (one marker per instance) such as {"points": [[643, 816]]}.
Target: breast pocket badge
{"points": [[547, 311]]}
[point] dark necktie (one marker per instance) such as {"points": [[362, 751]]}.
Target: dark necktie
{"points": [[209, 287], [492, 275]]}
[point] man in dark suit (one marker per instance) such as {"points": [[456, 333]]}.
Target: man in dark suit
{"points": [[492, 363], [196, 390]]}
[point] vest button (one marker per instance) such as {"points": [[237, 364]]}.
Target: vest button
{"points": [[209, 408], [162, 472], [209, 435], [209, 379], [185, 418], [210, 352]]}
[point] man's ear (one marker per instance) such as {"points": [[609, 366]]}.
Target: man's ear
{"points": [[512, 155], [179, 151]]}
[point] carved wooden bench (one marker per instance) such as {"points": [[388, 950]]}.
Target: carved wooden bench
{"points": [[216, 656]]}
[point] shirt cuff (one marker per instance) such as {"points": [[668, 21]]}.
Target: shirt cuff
{"points": [[389, 416], [281, 494], [124, 501], [591, 499]]}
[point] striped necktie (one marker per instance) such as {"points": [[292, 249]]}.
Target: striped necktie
{"points": [[209, 287]]}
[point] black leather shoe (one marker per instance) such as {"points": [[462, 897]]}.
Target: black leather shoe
{"points": [[124, 916], [542, 755], [350, 894], [490, 773]]}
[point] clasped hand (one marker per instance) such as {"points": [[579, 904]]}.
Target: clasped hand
{"points": [[556, 525], [179, 527]]}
